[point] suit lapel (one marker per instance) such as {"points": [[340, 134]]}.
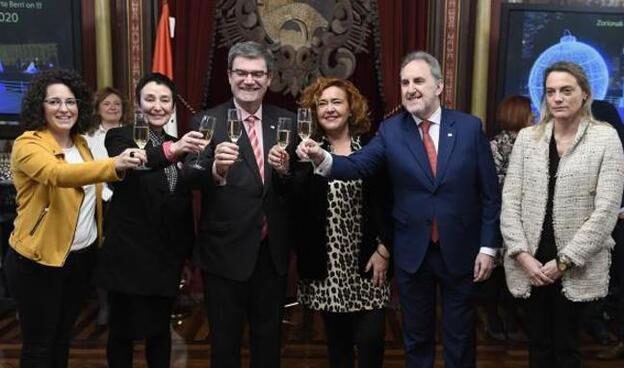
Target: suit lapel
{"points": [[446, 143], [414, 144]]}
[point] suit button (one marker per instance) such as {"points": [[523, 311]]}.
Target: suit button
{"points": [[37, 256]]}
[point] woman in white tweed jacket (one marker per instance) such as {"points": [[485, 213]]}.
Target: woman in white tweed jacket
{"points": [[560, 203]]}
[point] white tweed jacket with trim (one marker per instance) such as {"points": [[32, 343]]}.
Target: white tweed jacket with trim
{"points": [[588, 191]]}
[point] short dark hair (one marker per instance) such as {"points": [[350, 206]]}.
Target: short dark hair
{"points": [[251, 50], [32, 116], [157, 78]]}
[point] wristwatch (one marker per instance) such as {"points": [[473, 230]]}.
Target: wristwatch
{"points": [[563, 264]]}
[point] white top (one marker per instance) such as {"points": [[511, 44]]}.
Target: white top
{"points": [[95, 141], [86, 227]]}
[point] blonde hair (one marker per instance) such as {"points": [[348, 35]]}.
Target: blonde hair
{"points": [[581, 78]]}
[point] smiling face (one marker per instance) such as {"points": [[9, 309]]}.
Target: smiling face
{"points": [[420, 91], [60, 117], [333, 111], [564, 96], [110, 109], [249, 80], [156, 103]]}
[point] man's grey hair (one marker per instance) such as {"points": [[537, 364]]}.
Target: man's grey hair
{"points": [[433, 63], [251, 50]]}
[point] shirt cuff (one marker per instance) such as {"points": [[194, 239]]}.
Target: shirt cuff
{"points": [[324, 168], [621, 210], [218, 179], [167, 151], [493, 252]]}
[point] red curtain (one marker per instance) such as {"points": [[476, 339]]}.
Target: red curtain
{"points": [[403, 25], [191, 50]]}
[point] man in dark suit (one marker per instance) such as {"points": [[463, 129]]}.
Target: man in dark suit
{"points": [[446, 210], [243, 237]]}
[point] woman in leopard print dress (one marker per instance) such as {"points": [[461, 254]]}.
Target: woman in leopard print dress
{"points": [[343, 247]]}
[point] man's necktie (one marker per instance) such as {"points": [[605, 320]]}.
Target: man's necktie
{"points": [[433, 161], [257, 150]]}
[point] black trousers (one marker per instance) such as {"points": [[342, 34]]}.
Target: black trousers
{"points": [[617, 268], [139, 317], [48, 301], [364, 330], [259, 301], [553, 326]]}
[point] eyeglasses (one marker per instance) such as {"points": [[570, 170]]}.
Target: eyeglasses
{"points": [[255, 74], [70, 103]]}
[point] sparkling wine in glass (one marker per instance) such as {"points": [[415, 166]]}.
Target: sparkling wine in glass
{"points": [[283, 132], [140, 133], [206, 128], [304, 125], [234, 126]]}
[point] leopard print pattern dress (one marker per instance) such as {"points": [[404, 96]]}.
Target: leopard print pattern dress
{"points": [[344, 289]]}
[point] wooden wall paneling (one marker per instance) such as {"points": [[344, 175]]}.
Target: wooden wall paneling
{"points": [[88, 43]]}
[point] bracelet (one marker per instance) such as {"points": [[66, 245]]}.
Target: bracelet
{"points": [[381, 255]]}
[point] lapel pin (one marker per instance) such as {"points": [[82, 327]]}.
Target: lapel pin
{"points": [[450, 134], [272, 126]]}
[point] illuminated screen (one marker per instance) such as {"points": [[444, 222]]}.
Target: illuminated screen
{"points": [[534, 36], [35, 36]]}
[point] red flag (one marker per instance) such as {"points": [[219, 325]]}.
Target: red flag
{"points": [[163, 60]]}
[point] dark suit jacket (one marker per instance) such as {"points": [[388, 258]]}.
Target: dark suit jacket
{"points": [[463, 197], [149, 231], [310, 207], [228, 239]]}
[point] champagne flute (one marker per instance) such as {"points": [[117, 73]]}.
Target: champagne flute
{"points": [[206, 128], [283, 132], [140, 134], [304, 125], [234, 126]]}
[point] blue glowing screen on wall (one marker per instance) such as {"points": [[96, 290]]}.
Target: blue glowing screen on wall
{"points": [[569, 49]]}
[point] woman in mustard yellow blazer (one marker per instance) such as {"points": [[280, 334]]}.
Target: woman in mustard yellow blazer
{"points": [[59, 214]]}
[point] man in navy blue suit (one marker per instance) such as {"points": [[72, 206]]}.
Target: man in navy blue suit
{"points": [[446, 210]]}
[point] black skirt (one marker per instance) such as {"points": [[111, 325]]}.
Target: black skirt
{"points": [[139, 316]]}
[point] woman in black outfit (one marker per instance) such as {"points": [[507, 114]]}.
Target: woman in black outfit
{"points": [[149, 232]]}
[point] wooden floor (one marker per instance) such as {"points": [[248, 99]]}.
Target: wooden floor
{"points": [[304, 344]]}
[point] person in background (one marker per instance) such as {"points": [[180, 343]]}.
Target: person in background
{"points": [[110, 110], [513, 114], [561, 197], [343, 248], [149, 232], [59, 214]]}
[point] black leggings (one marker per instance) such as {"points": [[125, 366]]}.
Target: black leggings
{"points": [[364, 330], [48, 301]]}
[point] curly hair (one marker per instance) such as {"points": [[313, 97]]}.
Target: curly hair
{"points": [[359, 121], [100, 96], [32, 116]]}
